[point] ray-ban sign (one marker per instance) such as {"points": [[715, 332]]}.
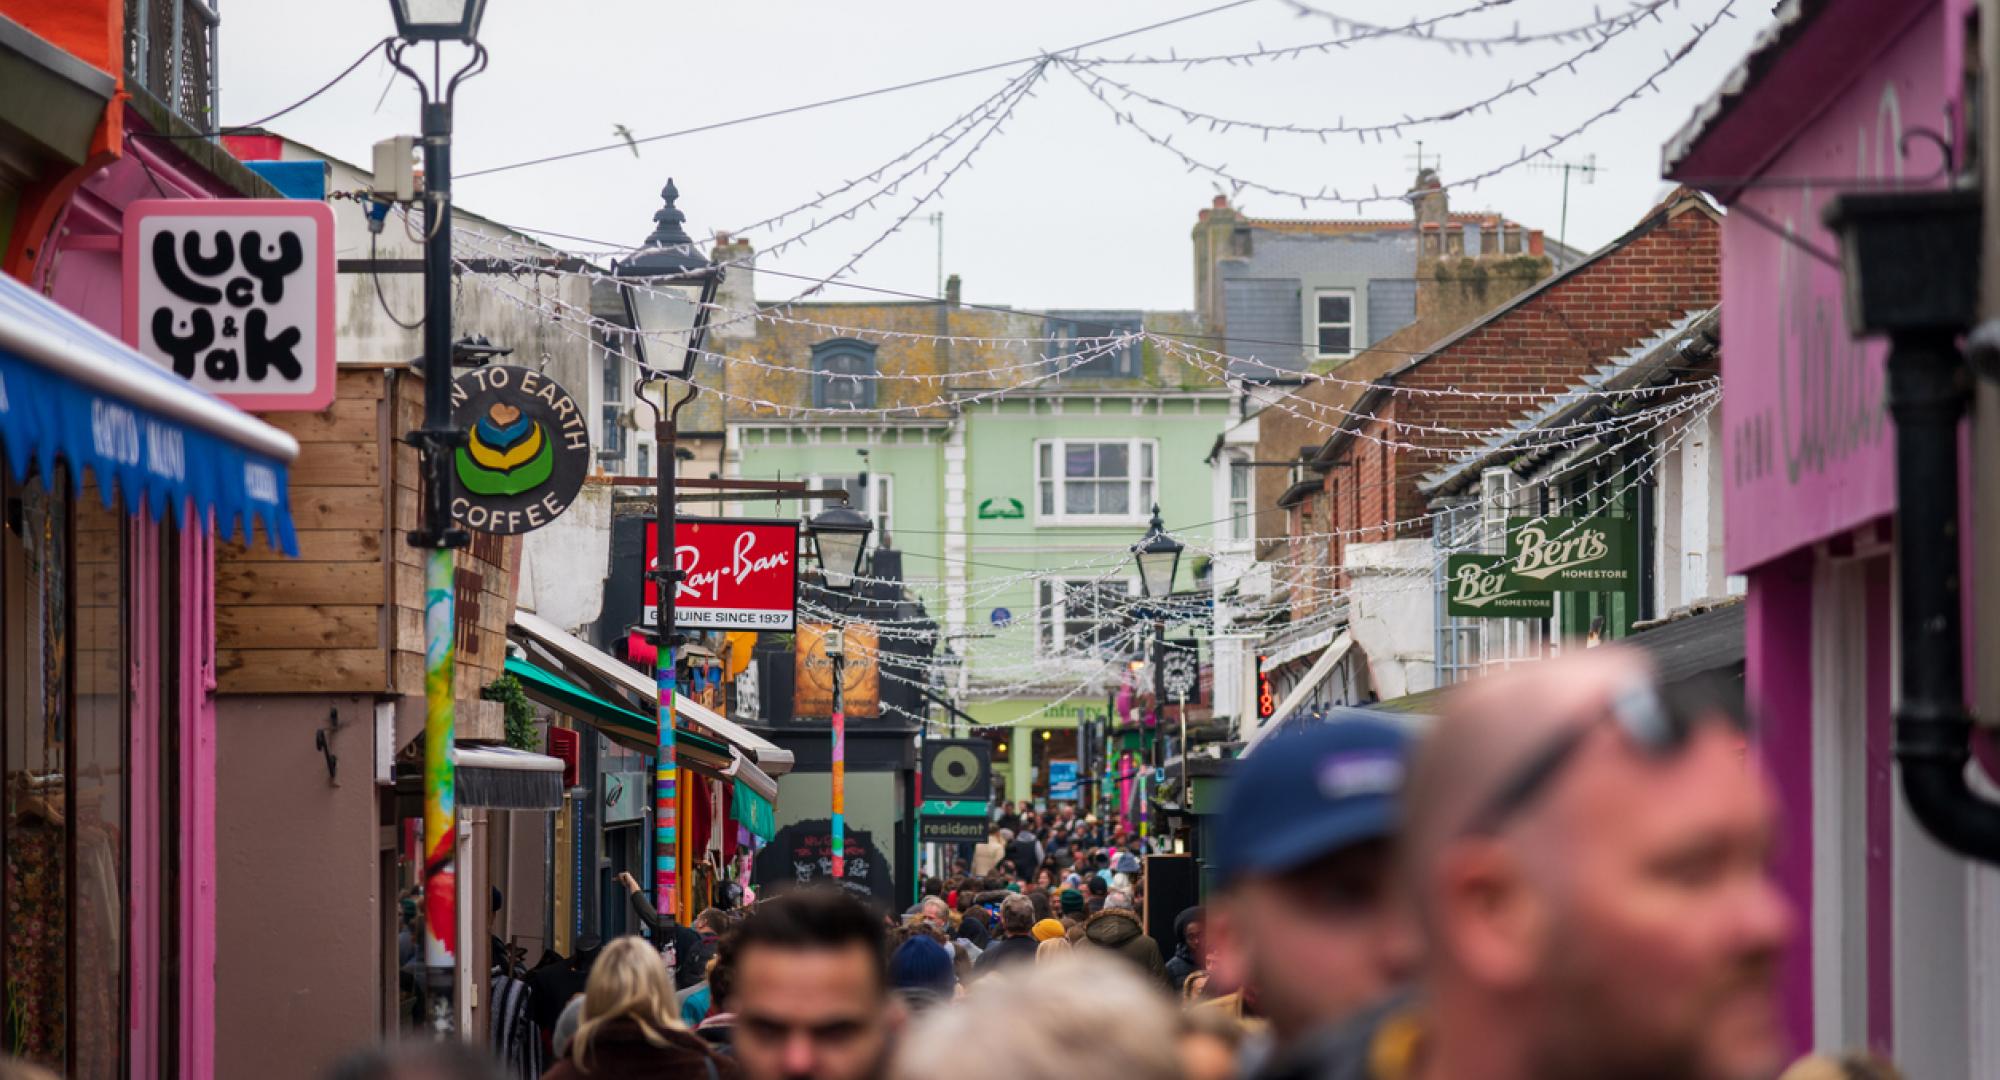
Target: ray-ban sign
{"points": [[736, 574]]}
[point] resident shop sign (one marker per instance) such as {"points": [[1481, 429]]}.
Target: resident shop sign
{"points": [[1568, 554], [736, 574], [526, 452], [1478, 586], [235, 296]]}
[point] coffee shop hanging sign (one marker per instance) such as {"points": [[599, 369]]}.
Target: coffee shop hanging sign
{"points": [[526, 449]]}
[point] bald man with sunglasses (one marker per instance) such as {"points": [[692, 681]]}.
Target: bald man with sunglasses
{"points": [[1587, 856]]}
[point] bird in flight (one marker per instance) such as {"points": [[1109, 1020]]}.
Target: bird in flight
{"points": [[625, 133]]}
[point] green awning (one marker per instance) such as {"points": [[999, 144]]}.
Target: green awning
{"points": [[621, 724], [754, 811]]}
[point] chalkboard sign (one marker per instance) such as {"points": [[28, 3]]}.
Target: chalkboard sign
{"points": [[802, 854]]}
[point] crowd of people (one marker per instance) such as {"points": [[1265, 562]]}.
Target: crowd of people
{"points": [[1564, 875]]}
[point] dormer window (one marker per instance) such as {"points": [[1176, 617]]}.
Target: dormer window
{"points": [[844, 374]]}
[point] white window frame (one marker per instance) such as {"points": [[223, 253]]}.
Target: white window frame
{"points": [[1239, 511], [1142, 487], [880, 500], [1052, 613], [1353, 323]]}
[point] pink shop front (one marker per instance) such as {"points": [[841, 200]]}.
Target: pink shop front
{"points": [[1898, 942], [118, 480]]}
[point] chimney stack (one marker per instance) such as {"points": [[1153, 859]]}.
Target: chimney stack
{"points": [[738, 295]]}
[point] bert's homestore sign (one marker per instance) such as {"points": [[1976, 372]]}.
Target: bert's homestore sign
{"points": [[736, 574], [1563, 554]]}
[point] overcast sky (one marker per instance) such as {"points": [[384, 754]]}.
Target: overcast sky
{"points": [[1062, 207]]}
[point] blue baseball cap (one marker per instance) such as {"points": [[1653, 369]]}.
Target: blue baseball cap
{"points": [[1306, 793]]}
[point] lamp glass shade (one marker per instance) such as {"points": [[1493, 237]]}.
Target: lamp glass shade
{"points": [[1156, 570], [665, 317], [839, 536], [1158, 556], [437, 20]]}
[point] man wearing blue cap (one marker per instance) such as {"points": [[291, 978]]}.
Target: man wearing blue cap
{"points": [[1305, 864]]}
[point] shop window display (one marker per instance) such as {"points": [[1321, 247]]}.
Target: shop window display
{"points": [[62, 948]]}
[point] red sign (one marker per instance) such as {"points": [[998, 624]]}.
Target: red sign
{"points": [[736, 574], [1267, 701]]}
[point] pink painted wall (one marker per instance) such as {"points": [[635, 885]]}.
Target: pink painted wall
{"points": [[83, 272], [1808, 444], [1777, 641]]}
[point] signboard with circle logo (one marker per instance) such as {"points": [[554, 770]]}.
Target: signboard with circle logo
{"points": [[958, 769], [526, 452], [1181, 671]]}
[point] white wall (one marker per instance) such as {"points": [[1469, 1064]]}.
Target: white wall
{"points": [[1391, 614], [1687, 504]]}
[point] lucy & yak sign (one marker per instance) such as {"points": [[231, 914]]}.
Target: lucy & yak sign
{"points": [[235, 296]]}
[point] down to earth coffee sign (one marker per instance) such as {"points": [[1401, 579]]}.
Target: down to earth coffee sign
{"points": [[1545, 556], [526, 450], [736, 573], [235, 296]]}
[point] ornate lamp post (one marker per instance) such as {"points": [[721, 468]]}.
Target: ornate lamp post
{"points": [[438, 21], [840, 539], [1158, 556], [669, 289]]}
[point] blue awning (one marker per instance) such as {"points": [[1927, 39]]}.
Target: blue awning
{"points": [[69, 390]]}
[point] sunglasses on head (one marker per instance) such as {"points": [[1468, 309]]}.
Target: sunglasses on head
{"points": [[1657, 721]]}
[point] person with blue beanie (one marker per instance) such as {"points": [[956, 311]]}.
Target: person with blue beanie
{"points": [[921, 973]]}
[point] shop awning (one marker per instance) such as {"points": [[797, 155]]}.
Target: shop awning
{"points": [[637, 731], [1315, 675], [69, 390], [502, 778], [573, 652], [754, 811], [1702, 643]]}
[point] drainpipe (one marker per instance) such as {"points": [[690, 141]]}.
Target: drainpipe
{"points": [[1910, 263], [1928, 393]]}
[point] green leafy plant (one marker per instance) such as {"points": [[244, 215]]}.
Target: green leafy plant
{"points": [[520, 711]]}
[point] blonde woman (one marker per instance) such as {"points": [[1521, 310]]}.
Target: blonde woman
{"points": [[1082, 1015], [1052, 950], [631, 1026]]}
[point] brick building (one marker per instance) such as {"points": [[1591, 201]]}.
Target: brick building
{"points": [[1357, 522]]}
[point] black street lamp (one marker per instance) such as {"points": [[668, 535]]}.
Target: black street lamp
{"points": [[668, 288], [840, 538], [438, 21], [1159, 557]]}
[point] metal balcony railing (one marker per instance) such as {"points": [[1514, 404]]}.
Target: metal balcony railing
{"points": [[170, 54]]}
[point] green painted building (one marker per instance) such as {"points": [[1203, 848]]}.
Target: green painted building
{"points": [[1013, 471]]}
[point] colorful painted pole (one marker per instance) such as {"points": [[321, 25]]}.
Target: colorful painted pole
{"points": [[838, 655], [440, 785], [666, 578], [666, 805]]}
